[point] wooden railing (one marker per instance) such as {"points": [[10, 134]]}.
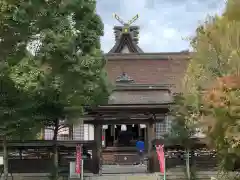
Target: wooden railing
{"points": [[35, 156], [200, 160]]}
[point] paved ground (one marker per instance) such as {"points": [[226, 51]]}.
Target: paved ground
{"points": [[126, 169], [124, 177], [124, 172], [127, 172]]}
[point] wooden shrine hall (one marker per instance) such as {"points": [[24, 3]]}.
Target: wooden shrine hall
{"points": [[138, 106], [116, 151]]}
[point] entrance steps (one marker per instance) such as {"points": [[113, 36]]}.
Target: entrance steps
{"points": [[123, 169]]}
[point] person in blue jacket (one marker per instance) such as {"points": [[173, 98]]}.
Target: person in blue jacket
{"points": [[140, 148]]}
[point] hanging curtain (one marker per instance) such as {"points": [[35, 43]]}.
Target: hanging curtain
{"points": [[142, 126], [105, 127], [123, 127]]}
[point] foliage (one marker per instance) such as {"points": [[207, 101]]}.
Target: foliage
{"points": [[15, 110], [15, 114], [215, 61], [183, 124], [65, 68], [14, 34], [222, 120], [216, 51], [52, 52], [183, 130]]}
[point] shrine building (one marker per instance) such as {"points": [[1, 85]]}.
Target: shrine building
{"points": [[144, 84]]}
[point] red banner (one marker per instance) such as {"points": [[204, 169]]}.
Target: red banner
{"points": [[161, 158], [78, 159]]}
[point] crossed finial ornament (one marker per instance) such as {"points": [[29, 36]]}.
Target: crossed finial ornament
{"points": [[130, 22]]}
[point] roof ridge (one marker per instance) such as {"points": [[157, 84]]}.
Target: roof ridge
{"points": [[125, 39]]}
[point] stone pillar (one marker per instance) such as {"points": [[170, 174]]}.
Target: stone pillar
{"points": [[150, 138], [96, 154]]}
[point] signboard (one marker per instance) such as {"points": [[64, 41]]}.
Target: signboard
{"points": [[72, 171]]}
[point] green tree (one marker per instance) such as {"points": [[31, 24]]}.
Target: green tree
{"points": [[15, 104], [216, 55], [15, 114], [65, 71], [183, 129]]}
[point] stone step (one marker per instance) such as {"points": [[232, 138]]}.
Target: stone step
{"points": [[108, 158]]}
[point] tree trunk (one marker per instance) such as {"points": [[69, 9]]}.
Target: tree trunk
{"points": [[55, 150], [5, 158], [187, 164]]}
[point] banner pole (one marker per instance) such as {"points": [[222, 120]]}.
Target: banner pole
{"points": [[164, 175], [82, 170], [81, 162], [188, 163]]}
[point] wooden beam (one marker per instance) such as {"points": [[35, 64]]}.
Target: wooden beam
{"points": [[119, 121], [150, 137], [96, 153], [124, 119], [153, 56], [45, 143]]}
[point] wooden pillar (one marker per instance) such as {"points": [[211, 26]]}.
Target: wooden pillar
{"points": [[150, 138], [96, 154], [71, 132], [145, 135], [139, 130]]}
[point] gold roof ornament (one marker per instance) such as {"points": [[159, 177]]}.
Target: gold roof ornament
{"points": [[126, 36], [126, 25], [129, 23]]}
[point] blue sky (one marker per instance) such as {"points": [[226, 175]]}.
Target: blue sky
{"points": [[163, 23]]}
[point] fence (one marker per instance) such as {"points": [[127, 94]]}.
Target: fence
{"points": [[201, 159], [37, 156]]}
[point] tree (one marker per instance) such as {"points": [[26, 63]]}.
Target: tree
{"points": [[183, 129], [183, 125], [222, 119], [15, 114], [67, 68], [216, 58], [15, 104], [64, 68], [216, 50]]}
